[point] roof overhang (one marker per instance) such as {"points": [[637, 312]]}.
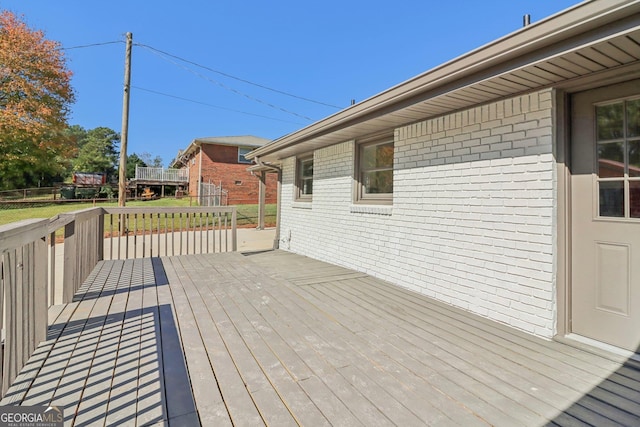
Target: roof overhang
{"points": [[234, 141], [262, 167], [594, 40], [186, 154]]}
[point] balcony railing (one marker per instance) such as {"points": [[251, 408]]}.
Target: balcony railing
{"points": [[160, 174], [32, 278]]}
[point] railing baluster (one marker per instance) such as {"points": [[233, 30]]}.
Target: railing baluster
{"points": [[192, 229], [219, 233], [181, 233], [52, 269], [166, 235], [226, 234], [234, 230], [126, 234], [173, 233], [135, 236], [213, 230], [110, 236], [144, 236], [158, 231], [200, 219], [187, 234], [207, 222]]}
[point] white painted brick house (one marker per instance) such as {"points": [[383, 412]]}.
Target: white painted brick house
{"points": [[495, 198]]}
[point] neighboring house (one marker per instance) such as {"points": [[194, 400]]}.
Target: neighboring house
{"points": [[220, 161], [477, 183]]}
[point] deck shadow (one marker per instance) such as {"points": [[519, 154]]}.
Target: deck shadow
{"points": [[87, 291], [123, 367], [614, 401]]}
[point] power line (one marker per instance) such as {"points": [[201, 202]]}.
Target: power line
{"points": [[168, 55], [237, 92], [91, 45], [210, 105], [238, 78]]}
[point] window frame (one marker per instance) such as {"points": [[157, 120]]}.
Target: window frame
{"points": [[299, 196], [360, 196], [241, 158], [626, 178]]}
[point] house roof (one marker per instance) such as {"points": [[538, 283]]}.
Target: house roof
{"points": [[249, 141], [594, 40], [239, 141]]}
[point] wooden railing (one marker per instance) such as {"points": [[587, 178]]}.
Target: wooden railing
{"points": [[31, 281], [23, 294], [150, 232], [160, 174], [82, 236]]}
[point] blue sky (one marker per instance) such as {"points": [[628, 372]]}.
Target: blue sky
{"points": [[329, 51]]}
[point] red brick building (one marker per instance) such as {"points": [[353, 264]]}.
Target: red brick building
{"points": [[219, 162]]}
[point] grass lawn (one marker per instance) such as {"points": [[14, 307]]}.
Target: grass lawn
{"points": [[247, 214]]}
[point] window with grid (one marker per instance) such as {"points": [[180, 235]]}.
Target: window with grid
{"points": [[304, 178], [618, 157], [374, 171]]}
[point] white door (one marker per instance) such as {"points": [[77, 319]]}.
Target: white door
{"points": [[605, 214]]}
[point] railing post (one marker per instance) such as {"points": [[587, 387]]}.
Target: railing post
{"points": [[70, 274], [52, 268], [262, 189], [40, 294], [100, 235]]}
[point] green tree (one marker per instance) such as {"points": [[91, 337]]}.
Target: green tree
{"points": [[35, 97], [98, 152], [152, 162], [75, 136], [134, 160]]}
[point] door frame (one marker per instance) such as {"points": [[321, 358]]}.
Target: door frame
{"points": [[562, 151], [563, 217]]}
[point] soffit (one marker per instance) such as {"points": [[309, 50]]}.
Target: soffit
{"points": [[599, 51]]}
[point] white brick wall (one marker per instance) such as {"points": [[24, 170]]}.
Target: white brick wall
{"points": [[472, 217]]}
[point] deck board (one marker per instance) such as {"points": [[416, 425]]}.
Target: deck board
{"points": [[349, 353], [455, 351], [278, 339]]}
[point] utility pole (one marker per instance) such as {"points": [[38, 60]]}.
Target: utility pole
{"points": [[122, 176]]}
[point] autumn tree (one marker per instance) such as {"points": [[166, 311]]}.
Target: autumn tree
{"points": [[35, 97]]}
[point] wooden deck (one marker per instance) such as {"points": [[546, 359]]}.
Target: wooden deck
{"points": [[279, 339]]}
